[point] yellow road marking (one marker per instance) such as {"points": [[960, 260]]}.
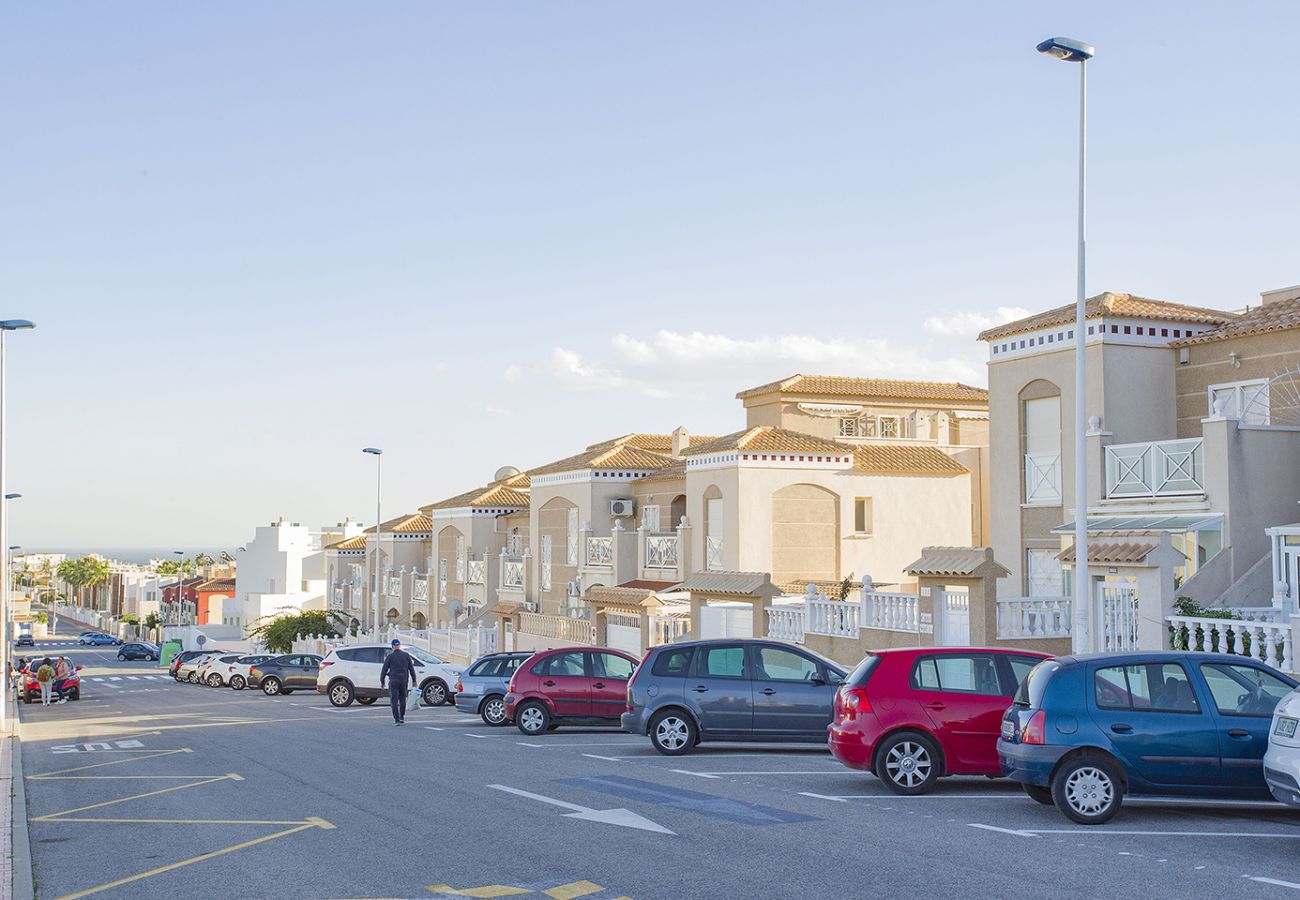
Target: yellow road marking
{"points": [[573, 889], [179, 787], [111, 762], [187, 862]]}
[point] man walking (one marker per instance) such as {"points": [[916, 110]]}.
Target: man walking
{"points": [[62, 672], [402, 669]]}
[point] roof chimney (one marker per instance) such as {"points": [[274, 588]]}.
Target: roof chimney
{"points": [[1276, 296], [681, 439]]}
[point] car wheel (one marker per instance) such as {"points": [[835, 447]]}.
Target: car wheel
{"points": [[121, 658], [341, 694], [76, 694], [192, 678], [434, 693], [493, 710], [1038, 793], [238, 683], [533, 718], [1088, 790], [366, 701], [149, 657], [271, 686], [214, 680], [179, 679], [908, 763], [672, 732]]}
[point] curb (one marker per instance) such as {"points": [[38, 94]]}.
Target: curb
{"points": [[24, 886]]}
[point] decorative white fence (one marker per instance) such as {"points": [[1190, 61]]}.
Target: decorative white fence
{"points": [[891, 611], [661, 551], [785, 623], [563, 628], [476, 571], [600, 551], [954, 606], [713, 553], [1267, 642], [420, 589], [1034, 617], [1155, 469], [1119, 617], [393, 585], [668, 629], [838, 618], [512, 574]]}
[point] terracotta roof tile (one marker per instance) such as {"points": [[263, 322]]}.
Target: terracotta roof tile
{"points": [[618, 456], [657, 443], [842, 386], [1111, 552], [1280, 315], [1109, 304], [217, 584], [769, 439], [904, 459], [353, 543], [490, 497], [672, 472]]}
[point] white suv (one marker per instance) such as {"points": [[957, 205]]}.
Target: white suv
{"points": [[352, 673]]}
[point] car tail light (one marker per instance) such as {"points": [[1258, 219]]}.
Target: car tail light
{"points": [[459, 687], [849, 702], [1036, 729], [325, 662]]}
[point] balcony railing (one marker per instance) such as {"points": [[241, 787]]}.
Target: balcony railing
{"points": [[561, 628], [393, 586], [1155, 469], [600, 551], [661, 551], [512, 574], [420, 591], [1042, 477], [475, 571], [713, 553]]}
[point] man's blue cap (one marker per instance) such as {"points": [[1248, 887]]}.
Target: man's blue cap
{"points": [[396, 642]]}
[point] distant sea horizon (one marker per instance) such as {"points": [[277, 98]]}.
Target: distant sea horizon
{"points": [[137, 555]]}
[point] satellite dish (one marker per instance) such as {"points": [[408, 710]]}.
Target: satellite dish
{"points": [[505, 472]]}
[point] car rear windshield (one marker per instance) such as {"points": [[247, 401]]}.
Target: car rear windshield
{"points": [[486, 667], [670, 663], [859, 676], [1031, 690]]}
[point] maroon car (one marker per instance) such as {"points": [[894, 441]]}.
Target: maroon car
{"points": [[569, 686]]}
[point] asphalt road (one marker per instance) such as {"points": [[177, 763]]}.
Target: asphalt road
{"points": [[146, 788]]}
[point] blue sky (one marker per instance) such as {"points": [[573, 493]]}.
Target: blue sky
{"points": [[258, 237]]}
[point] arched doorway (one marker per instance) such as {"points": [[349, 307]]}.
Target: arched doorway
{"points": [[419, 622], [805, 534]]}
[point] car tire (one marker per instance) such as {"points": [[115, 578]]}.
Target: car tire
{"points": [[214, 680], [121, 658], [673, 732], [179, 679], [192, 678], [1088, 789], [149, 657], [1038, 793], [271, 686], [341, 694], [533, 718], [434, 693], [76, 694], [237, 683], [493, 711], [908, 763], [367, 701]]}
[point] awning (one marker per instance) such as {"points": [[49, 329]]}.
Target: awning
{"points": [[1176, 523]]}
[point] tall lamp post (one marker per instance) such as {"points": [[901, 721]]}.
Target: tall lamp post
{"points": [[1074, 51], [180, 585], [379, 485], [6, 326]]}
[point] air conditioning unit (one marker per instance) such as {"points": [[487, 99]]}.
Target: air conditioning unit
{"points": [[622, 508]]}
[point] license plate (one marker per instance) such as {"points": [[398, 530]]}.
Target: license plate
{"points": [[1009, 729], [1285, 727]]}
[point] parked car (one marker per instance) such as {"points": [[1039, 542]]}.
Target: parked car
{"points": [[482, 688], [285, 674], [352, 673], [212, 671], [32, 688], [184, 657], [1282, 759], [189, 669], [730, 690], [1085, 731], [25, 639], [237, 672], [915, 715], [569, 686], [98, 639], [137, 650]]}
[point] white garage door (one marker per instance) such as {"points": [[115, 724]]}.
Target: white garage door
{"points": [[727, 621], [624, 633]]}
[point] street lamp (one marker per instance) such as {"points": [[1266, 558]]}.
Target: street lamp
{"points": [[379, 484], [1074, 51], [6, 326], [180, 586]]}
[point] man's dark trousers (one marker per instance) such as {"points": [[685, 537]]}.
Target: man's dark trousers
{"points": [[398, 691]]}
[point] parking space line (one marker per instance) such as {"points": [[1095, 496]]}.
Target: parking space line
{"points": [[1028, 834], [573, 890], [598, 756], [53, 817], [891, 797], [775, 772], [1274, 881], [1115, 831]]}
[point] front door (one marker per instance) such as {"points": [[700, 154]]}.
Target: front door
{"points": [[792, 698], [1154, 720], [565, 680], [610, 674], [720, 689], [1244, 698], [964, 697]]}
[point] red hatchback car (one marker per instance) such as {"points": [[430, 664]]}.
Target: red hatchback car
{"points": [[913, 716], [571, 685]]}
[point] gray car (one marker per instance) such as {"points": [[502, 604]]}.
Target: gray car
{"points": [[731, 690], [483, 686]]}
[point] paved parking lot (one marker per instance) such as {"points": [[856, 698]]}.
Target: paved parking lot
{"points": [[146, 788]]}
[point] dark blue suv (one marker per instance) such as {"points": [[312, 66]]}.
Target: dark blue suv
{"points": [[1084, 731]]}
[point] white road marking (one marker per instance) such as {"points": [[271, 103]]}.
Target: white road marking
{"points": [[696, 774], [114, 677], [891, 797], [799, 772], [1274, 881], [1295, 835], [1028, 834], [432, 728], [824, 797], [597, 756], [623, 817]]}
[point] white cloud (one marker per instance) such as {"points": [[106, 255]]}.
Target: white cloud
{"points": [[969, 324], [573, 370], [497, 412]]}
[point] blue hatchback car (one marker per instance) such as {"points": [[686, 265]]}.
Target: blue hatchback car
{"points": [[1084, 731]]}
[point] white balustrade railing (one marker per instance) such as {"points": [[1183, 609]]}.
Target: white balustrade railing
{"points": [[1042, 477], [476, 571], [1269, 643], [713, 556], [512, 574], [891, 612], [661, 551], [393, 586], [1155, 469], [838, 618], [1119, 617], [600, 551], [667, 629], [563, 628], [1034, 617], [786, 623], [420, 589]]}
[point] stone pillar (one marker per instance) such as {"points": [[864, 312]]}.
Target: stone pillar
{"points": [[624, 553], [684, 567]]}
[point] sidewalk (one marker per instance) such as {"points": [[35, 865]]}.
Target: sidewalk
{"points": [[15, 849]]}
